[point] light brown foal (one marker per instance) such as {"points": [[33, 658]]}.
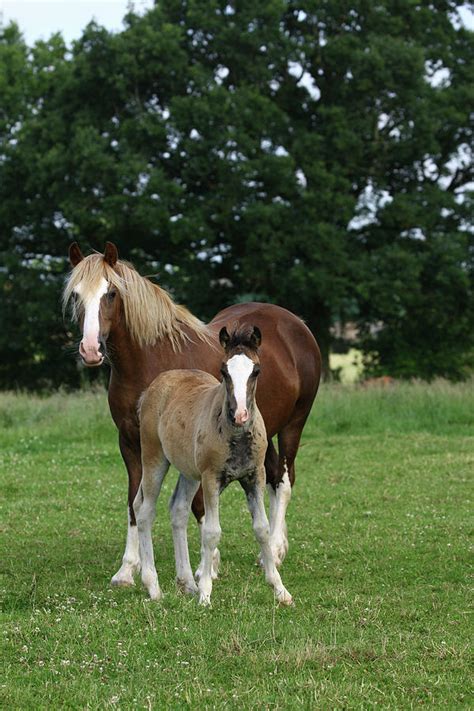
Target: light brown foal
{"points": [[213, 433]]}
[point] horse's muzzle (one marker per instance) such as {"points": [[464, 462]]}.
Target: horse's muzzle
{"points": [[91, 357]]}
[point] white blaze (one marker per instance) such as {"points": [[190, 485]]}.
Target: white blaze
{"points": [[89, 348], [240, 368]]}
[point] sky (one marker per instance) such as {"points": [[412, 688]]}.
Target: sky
{"points": [[39, 19]]}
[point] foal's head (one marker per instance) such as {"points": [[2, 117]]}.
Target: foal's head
{"points": [[240, 368]]}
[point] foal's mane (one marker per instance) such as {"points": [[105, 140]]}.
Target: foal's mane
{"points": [[150, 313]]}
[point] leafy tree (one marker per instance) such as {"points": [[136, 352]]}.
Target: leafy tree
{"points": [[298, 153]]}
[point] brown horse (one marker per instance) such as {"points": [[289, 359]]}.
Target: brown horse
{"points": [[143, 332], [214, 434]]}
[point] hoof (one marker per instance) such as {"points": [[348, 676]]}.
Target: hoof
{"points": [[188, 587], [155, 593], [204, 600], [122, 581], [284, 598]]}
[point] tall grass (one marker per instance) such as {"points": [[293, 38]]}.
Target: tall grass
{"points": [[438, 407]]}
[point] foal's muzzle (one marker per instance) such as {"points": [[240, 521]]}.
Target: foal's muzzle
{"points": [[238, 418]]}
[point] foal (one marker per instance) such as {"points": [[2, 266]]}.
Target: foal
{"points": [[213, 433]]}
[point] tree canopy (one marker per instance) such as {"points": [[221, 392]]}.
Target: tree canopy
{"points": [[314, 154]]}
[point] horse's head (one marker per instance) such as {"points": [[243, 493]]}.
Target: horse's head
{"points": [[240, 369], [93, 286]]}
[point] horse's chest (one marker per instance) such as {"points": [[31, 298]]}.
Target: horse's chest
{"points": [[240, 463]]}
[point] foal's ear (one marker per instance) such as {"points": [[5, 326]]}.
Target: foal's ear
{"points": [[110, 254], [224, 337], [75, 254], [256, 337]]}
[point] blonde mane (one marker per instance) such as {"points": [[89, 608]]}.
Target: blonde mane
{"points": [[150, 313]]}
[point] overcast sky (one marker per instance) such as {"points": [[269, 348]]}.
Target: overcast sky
{"points": [[38, 19]]}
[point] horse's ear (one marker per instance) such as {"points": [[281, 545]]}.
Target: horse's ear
{"points": [[224, 337], [256, 337], [110, 254], [75, 254]]}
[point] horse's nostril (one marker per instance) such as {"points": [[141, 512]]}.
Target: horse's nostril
{"points": [[102, 347]]}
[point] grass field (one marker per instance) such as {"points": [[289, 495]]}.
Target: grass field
{"points": [[378, 566]]}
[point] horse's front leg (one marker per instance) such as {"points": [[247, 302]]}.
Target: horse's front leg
{"points": [[254, 490], [210, 535], [130, 450]]}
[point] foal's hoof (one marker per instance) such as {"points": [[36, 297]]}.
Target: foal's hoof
{"points": [[155, 593], [204, 600], [284, 598], [188, 587], [122, 581]]}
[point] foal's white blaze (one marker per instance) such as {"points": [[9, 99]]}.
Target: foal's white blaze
{"points": [[89, 348], [240, 368]]}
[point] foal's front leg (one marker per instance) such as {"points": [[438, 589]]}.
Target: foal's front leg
{"points": [[145, 512], [254, 489], [180, 507], [210, 535]]}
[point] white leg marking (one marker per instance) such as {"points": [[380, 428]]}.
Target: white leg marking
{"points": [[278, 537], [145, 512], [180, 507], [210, 536], [216, 558], [131, 558], [262, 534]]}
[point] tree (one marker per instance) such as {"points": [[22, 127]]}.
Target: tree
{"points": [[302, 154]]}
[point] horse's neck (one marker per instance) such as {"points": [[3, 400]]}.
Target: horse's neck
{"points": [[133, 367]]}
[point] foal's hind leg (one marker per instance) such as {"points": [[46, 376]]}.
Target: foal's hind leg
{"points": [[180, 508], [254, 492], [154, 471]]}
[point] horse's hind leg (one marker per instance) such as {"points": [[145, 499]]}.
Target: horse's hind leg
{"points": [[131, 557], [271, 471], [254, 492], [154, 471], [180, 508], [288, 442]]}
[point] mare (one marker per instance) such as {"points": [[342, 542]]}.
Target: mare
{"points": [[213, 433], [136, 325]]}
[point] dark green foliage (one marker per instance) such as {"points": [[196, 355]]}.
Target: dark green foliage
{"points": [[227, 148]]}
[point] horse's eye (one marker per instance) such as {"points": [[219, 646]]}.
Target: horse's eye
{"points": [[111, 295], [224, 372], [256, 370]]}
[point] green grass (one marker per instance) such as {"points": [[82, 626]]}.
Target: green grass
{"points": [[378, 563]]}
